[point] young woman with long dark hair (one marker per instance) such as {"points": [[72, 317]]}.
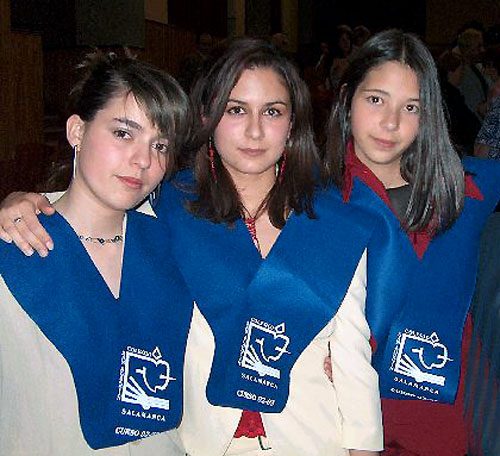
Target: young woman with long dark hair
{"points": [[389, 151]]}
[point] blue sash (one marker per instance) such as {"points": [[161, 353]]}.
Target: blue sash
{"points": [[126, 355], [264, 313], [417, 308]]}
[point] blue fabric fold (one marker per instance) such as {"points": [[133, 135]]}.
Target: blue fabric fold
{"points": [[126, 355], [417, 308], [264, 313]]}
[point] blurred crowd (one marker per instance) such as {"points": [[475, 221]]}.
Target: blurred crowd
{"points": [[469, 72]]}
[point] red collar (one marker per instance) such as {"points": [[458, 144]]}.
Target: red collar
{"points": [[355, 168]]}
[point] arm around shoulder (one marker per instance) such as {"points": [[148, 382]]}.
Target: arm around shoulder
{"points": [[19, 222]]}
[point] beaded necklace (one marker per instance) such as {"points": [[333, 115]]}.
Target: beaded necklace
{"points": [[251, 220], [250, 224], [99, 240]]}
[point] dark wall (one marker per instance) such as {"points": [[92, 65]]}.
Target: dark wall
{"points": [[68, 23], [110, 22], [200, 16], [53, 19], [376, 15]]}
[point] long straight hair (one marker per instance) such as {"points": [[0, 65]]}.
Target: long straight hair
{"points": [[430, 165], [219, 201]]}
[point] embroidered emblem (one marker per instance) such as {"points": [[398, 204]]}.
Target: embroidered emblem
{"points": [[420, 356], [263, 345], [143, 376]]}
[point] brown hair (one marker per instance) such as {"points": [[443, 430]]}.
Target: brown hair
{"points": [[163, 100], [219, 201]]}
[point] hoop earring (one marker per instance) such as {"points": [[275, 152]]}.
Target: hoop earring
{"points": [[76, 151], [211, 157], [282, 167], [154, 196]]}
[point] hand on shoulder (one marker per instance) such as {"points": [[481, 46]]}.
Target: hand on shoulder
{"points": [[19, 222]]}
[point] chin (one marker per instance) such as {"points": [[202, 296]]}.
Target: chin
{"points": [[125, 204]]}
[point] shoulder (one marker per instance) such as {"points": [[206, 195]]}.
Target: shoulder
{"points": [[9, 256], [145, 224], [12, 258], [485, 174], [330, 206], [175, 193], [484, 171]]}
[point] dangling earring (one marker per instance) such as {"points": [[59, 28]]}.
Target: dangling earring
{"points": [[154, 196], [211, 156], [282, 167], [76, 151]]}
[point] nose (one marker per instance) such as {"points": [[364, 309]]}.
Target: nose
{"points": [[141, 155], [254, 128], [390, 119]]}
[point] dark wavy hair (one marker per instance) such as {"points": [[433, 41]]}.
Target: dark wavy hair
{"points": [[165, 104], [219, 201], [430, 164]]}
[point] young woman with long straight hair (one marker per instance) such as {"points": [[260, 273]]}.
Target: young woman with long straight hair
{"points": [[389, 151]]}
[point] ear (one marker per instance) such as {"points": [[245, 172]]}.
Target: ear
{"points": [[204, 119], [75, 127]]}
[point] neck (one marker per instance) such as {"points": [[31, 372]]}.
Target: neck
{"points": [[253, 189], [390, 177], [87, 216]]}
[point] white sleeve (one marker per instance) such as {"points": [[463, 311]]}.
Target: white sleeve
{"points": [[53, 196], [354, 378]]}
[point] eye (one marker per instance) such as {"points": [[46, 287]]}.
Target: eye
{"points": [[272, 112], [161, 147], [235, 110], [412, 108], [374, 99], [122, 134]]}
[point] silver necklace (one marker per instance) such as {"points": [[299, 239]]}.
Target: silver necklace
{"points": [[99, 240]]}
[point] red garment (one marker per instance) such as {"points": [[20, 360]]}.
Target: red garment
{"points": [[250, 425], [413, 427]]}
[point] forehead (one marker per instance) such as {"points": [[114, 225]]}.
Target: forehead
{"points": [[260, 83], [124, 105], [392, 77]]}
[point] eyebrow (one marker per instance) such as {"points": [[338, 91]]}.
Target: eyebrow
{"points": [[270, 103], [128, 122], [383, 92], [136, 126]]}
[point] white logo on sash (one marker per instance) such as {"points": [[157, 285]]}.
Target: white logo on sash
{"points": [[419, 356], [142, 376], [263, 344]]}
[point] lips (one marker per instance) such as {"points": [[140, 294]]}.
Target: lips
{"points": [[385, 143], [252, 152], [131, 182]]}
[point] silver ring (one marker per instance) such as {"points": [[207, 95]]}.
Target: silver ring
{"points": [[17, 220]]}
